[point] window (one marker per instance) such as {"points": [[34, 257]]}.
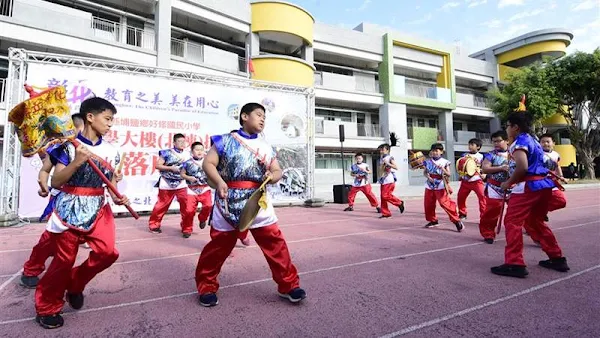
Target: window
{"points": [[331, 115], [478, 127]]}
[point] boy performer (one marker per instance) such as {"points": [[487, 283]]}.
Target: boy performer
{"points": [[474, 183], [44, 249], [435, 188], [236, 165], [387, 182], [552, 163], [495, 166], [81, 212], [528, 203], [199, 191], [170, 184], [360, 171]]}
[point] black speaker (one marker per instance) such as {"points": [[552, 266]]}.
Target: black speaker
{"points": [[342, 136], [340, 193]]}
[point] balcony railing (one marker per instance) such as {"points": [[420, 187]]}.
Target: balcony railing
{"points": [[113, 31], [415, 88], [364, 83], [197, 53], [191, 51], [2, 91], [353, 130], [368, 130], [6, 7], [472, 99]]}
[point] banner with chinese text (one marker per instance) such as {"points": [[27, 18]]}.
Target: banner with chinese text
{"points": [[150, 110]]}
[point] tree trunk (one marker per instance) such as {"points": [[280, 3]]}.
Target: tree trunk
{"points": [[588, 163]]}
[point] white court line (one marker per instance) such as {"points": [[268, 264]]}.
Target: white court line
{"points": [[2, 236], [157, 237], [38, 234], [256, 246], [337, 267], [12, 277], [487, 304]]}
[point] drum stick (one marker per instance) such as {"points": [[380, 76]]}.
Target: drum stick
{"points": [[121, 163], [499, 225], [108, 183]]}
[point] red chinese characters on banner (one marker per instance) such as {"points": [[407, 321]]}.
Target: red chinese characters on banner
{"points": [[136, 164], [141, 144], [148, 140]]}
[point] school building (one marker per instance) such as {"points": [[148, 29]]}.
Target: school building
{"points": [[374, 80]]}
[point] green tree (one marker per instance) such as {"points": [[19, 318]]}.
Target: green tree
{"points": [[533, 81], [577, 81], [549, 86]]}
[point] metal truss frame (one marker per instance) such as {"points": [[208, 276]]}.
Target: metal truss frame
{"points": [[20, 58], [11, 148]]}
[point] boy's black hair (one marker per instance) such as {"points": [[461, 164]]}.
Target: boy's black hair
{"points": [[178, 136], [522, 119], [95, 106], [249, 108], [197, 143], [359, 154], [78, 116], [384, 146], [476, 142], [548, 136], [437, 146], [500, 133]]}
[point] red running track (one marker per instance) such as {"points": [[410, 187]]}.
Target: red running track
{"points": [[365, 277]]}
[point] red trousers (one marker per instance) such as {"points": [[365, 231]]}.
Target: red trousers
{"points": [[558, 200], [165, 198], [365, 189], [39, 254], [489, 218], [61, 276], [440, 196], [529, 208], [271, 242], [387, 196], [192, 204], [463, 192]]}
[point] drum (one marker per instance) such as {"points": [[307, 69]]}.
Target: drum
{"points": [[416, 160], [257, 201], [466, 166]]}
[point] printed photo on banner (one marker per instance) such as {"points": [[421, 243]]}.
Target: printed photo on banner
{"points": [[151, 110]]}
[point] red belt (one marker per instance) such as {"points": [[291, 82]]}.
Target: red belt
{"points": [[494, 182], [83, 191], [198, 186], [243, 185], [534, 178], [436, 176]]}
